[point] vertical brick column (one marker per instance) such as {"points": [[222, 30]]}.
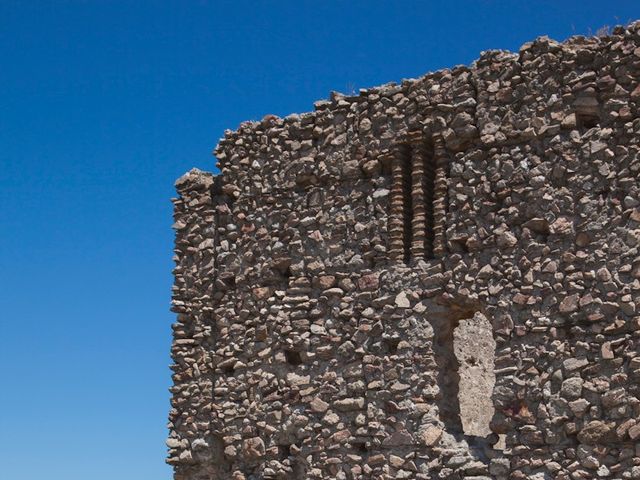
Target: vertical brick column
{"points": [[440, 197], [419, 214], [396, 210]]}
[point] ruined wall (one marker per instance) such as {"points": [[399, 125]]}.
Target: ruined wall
{"points": [[432, 280]]}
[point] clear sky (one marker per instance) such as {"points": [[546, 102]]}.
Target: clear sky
{"points": [[103, 104]]}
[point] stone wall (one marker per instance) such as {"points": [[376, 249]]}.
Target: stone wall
{"points": [[436, 279]]}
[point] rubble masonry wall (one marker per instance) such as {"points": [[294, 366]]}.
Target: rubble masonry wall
{"points": [[437, 279]]}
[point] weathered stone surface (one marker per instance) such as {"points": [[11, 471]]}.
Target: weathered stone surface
{"points": [[431, 435], [594, 432], [253, 448], [428, 280], [572, 388]]}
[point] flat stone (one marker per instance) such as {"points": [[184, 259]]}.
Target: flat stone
{"points": [[402, 301], [319, 406], [341, 436], [298, 380], [431, 435], [396, 439], [569, 304], [594, 432], [349, 404], [571, 364]]}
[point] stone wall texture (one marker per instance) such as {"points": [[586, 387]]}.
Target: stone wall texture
{"points": [[437, 279]]}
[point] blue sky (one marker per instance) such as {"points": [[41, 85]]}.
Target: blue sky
{"points": [[103, 104]]}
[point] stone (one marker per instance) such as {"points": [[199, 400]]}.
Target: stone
{"points": [[606, 351], [634, 432], [326, 281], [569, 304], [349, 404], [572, 388], [397, 439], [368, 282], [506, 240], [173, 442], [298, 380], [319, 406], [579, 407], [402, 301], [571, 364], [341, 436], [569, 122], [613, 397], [594, 432], [253, 448], [431, 435], [562, 226]]}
